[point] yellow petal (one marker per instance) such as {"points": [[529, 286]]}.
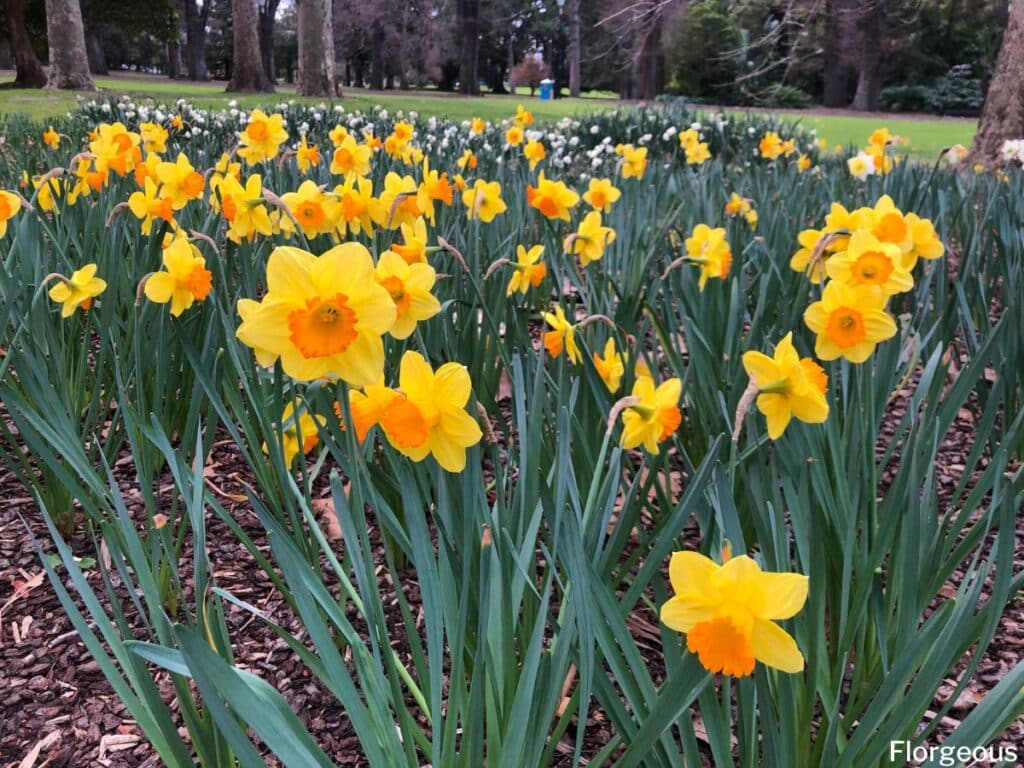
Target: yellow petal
{"points": [[681, 615], [775, 647], [160, 287]]}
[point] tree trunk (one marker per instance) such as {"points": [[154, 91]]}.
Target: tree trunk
{"points": [[69, 62], [330, 62], [871, 26], [28, 71], [468, 20], [313, 79], [574, 47], [377, 56], [247, 73], [647, 64], [1002, 117], [835, 72], [195, 43], [94, 50], [268, 14], [175, 65]]}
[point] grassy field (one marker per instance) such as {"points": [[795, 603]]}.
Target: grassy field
{"points": [[927, 137]]}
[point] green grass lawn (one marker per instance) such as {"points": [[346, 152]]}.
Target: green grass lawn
{"points": [[927, 137]]}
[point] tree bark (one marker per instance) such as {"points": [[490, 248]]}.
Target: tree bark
{"points": [[835, 73], [69, 62], [28, 71], [574, 47], [94, 50], [268, 17], [246, 66], [871, 26], [195, 38], [1002, 116], [330, 62], [313, 79], [647, 60], [468, 20]]}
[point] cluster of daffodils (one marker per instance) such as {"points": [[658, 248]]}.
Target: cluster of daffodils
{"points": [[876, 158], [741, 207], [772, 146]]}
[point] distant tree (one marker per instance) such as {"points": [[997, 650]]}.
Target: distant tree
{"points": [[196, 18], [871, 26], [573, 12], [69, 62], [267, 20], [468, 21], [28, 72], [529, 72], [314, 78], [1002, 116], [247, 73]]}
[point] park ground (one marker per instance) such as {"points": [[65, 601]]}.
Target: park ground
{"points": [[927, 135]]}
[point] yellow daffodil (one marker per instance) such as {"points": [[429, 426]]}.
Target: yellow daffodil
{"points": [[262, 137], [534, 152], [147, 169], [429, 414], [351, 158], [357, 208], [179, 181], [291, 430], [514, 136], [869, 261], [926, 242], [709, 249], [414, 248], [803, 163], [801, 261], [477, 126], [10, 204], [154, 137], [243, 208], [698, 153], [634, 160], [79, 290], [728, 613], [398, 204], [527, 270], [849, 321], [610, 367], [788, 386], [115, 148], [656, 417], [51, 138], [467, 160], [523, 117], [307, 156], [601, 194], [771, 145], [323, 316], [306, 205], [150, 205], [590, 239], [880, 137], [48, 193], [184, 280], [736, 205], [409, 286], [552, 198], [561, 336], [483, 200], [435, 188]]}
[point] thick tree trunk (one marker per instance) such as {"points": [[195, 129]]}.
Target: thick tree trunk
{"points": [[468, 20], [195, 43], [330, 61], [1002, 117], [377, 56], [69, 62], [246, 66], [647, 60], [267, 19], [28, 71], [94, 49], [871, 26], [835, 73], [313, 79], [574, 47]]}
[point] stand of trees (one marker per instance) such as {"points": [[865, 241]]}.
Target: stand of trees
{"points": [[908, 55]]}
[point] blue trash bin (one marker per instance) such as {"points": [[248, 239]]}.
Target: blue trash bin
{"points": [[547, 89]]}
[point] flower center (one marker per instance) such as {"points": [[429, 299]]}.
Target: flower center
{"points": [[548, 207], [257, 131], [352, 207], [310, 214], [872, 268], [229, 207], [5, 209], [198, 282], [323, 327], [845, 327], [343, 159], [405, 423], [598, 199], [396, 288], [815, 375], [892, 228], [670, 418], [721, 647]]}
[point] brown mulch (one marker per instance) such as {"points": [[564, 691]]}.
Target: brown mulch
{"points": [[54, 696]]}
